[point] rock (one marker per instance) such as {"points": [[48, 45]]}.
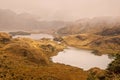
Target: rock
{"points": [[81, 37], [110, 31], [59, 39], [19, 33]]}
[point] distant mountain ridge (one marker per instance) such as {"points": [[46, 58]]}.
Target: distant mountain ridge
{"points": [[90, 25], [9, 20]]}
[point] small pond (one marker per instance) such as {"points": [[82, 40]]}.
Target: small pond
{"points": [[81, 58]]}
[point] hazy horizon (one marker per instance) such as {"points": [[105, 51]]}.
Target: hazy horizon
{"points": [[67, 10]]}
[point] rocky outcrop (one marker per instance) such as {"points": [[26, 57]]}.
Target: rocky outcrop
{"points": [[110, 31], [19, 33]]}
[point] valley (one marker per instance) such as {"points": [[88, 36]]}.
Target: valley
{"points": [[33, 50]]}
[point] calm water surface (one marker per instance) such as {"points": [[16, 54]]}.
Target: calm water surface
{"points": [[35, 36], [81, 58]]}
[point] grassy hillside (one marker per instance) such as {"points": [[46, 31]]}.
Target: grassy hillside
{"points": [[106, 41], [99, 44], [27, 59]]}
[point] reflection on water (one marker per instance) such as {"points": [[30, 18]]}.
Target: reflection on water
{"points": [[35, 36], [81, 58]]}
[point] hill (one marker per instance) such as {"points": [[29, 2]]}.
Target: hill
{"points": [[104, 42], [11, 21], [93, 25], [27, 59]]}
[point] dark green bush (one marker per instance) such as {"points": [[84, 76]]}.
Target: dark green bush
{"points": [[114, 66]]}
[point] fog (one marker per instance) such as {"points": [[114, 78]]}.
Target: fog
{"points": [[64, 9]]}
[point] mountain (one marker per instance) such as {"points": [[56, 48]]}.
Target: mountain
{"points": [[90, 25], [9, 20]]}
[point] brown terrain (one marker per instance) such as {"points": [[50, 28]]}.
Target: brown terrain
{"points": [[27, 59]]}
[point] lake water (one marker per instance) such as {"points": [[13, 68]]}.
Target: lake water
{"points": [[81, 58], [35, 36]]}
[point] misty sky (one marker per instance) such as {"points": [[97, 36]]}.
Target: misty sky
{"points": [[64, 9]]}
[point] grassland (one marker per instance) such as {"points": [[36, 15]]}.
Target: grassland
{"points": [[27, 59]]}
